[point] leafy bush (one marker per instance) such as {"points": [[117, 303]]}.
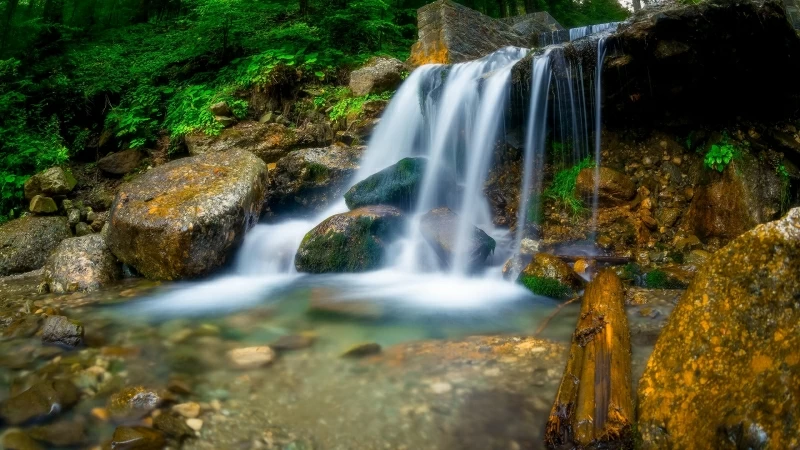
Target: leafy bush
{"points": [[354, 105], [720, 155], [562, 189]]}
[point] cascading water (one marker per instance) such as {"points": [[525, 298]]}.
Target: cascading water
{"points": [[573, 34]]}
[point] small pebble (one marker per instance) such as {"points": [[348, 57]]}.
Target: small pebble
{"points": [[190, 410], [441, 388], [195, 424]]}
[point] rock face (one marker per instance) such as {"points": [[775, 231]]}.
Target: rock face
{"points": [[730, 350], [378, 75], [306, 181], [439, 227], [184, 218], [81, 264], [62, 331], [120, 163], [44, 399], [268, 141], [53, 181], [614, 187], [354, 241], [451, 33], [25, 243], [397, 185]]}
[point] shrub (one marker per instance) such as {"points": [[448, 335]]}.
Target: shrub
{"points": [[547, 287], [562, 189], [720, 155]]}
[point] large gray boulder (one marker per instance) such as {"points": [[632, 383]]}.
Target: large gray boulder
{"points": [[25, 243], [184, 218], [378, 75], [81, 264]]}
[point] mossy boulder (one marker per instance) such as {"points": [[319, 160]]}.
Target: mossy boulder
{"points": [[51, 182], [183, 219], [43, 205], [354, 241], [380, 74], [307, 181], [614, 187], [81, 264], [397, 185], [25, 243], [549, 276], [726, 369], [439, 227]]}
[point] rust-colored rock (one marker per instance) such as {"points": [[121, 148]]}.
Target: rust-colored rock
{"points": [[594, 407], [725, 372], [614, 187]]}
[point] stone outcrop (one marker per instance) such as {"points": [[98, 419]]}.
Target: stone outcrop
{"points": [[184, 218], [306, 181], [452, 33], [439, 227], [354, 241], [25, 243], [725, 370], [378, 75], [81, 264]]}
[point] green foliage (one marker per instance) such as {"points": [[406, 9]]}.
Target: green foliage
{"points": [[658, 279], [355, 105], [629, 271], [720, 155], [562, 189], [547, 287]]}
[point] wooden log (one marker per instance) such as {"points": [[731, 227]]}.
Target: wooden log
{"points": [[594, 407]]}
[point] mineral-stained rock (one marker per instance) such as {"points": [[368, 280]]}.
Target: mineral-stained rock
{"points": [[306, 181], [63, 331], [25, 243], [397, 185], [354, 241], [378, 75], [43, 205], [137, 438], [614, 187], [53, 181], [730, 350], [133, 402], [81, 264], [43, 400], [120, 163], [440, 226], [184, 218]]}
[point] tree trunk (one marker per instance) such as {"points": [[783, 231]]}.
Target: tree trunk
{"points": [[637, 5], [593, 407]]}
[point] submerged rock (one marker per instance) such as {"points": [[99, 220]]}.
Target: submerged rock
{"points": [[397, 185], [184, 218], [548, 275], [81, 264], [614, 187], [439, 227], [307, 181], [120, 163], [730, 350], [251, 357], [25, 243], [381, 74], [362, 350], [354, 241], [53, 181], [137, 438], [60, 434], [43, 400], [17, 440], [63, 331], [133, 402]]}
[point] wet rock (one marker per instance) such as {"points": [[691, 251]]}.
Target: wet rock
{"points": [[548, 275], [381, 74], [137, 438], [43, 400], [60, 434], [397, 185], [362, 350], [293, 342], [731, 345], [324, 304], [43, 205], [81, 264], [172, 425], [251, 357], [667, 217], [133, 402], [354, 241], [73, 216], [184, 218], [195, 424], [514, 266], [697, 257], [439, 227], [307, 181], [615, 187], [17, 440], [62, 331], [221, 109], [25, 243], [451, 33], [188, 410], [83, 229], [120, 163], [51, 182]]}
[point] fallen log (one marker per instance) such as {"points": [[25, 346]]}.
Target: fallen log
{"points": [[594, 407]]}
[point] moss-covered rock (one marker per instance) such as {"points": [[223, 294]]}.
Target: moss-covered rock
{"points": [[183, 219], [53, 181], [25, 243], [354, 241], [726, 369], [81, 264], [549, 276], [43, 400], [397, 185], [439, 227]]}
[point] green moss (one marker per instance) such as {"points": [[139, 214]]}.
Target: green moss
{"points": [[658, 279], [396, 185], [356, 250], [629, 271], [317, 171], [562, 189], [547, 287]]}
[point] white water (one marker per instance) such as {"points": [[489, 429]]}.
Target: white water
{"points": [[573, 34]]}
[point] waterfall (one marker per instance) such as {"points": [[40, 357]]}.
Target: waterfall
{"points": [[598, 100], [573, 34]]}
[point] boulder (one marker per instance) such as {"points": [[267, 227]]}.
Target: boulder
{"points": [[268, 141], [81, 264], [379, 75], [550, 276], [397, 185], [43, 400], [221, 109], [43, 205], [354, 241], [62, 331], [120, 163], [184, 218], [307, 181], [439, 227], [53, 181], [25, 243], [614, 187], [451, 33], [725, 370]]}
